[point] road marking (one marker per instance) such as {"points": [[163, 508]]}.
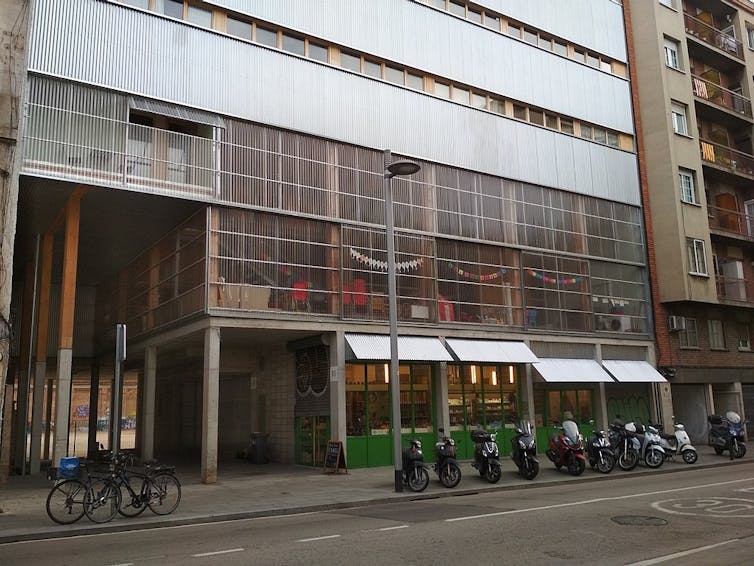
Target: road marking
{"points": [[589, 501], [124, 564], [393, 528], [217, 552], [668, 557], [715, 507], [317, 538]]}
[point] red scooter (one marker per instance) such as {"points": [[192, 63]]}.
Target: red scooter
{"points": [[567, 449]]}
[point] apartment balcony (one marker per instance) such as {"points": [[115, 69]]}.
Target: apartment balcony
{"points": [[721, 47], [729, 163], [731, 223], [721, 97], [735, 290]]}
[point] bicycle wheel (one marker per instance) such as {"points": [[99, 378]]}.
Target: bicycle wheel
{"points": [[102, 501], [164, 493], [133, 505], [65, 503]]}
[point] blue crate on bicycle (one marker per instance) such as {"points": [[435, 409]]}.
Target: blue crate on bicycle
{"points": [[70, 468]]}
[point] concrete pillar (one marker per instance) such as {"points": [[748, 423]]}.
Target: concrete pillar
{"points": [[40, 370], [35, 447], [146, 419], [527, 386], [441, 396], [709, 399], [600, 419], [662, 405], [210, 403], [62, 404], [92, 444], [338, 425]]}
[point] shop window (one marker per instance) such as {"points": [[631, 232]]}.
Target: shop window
{"points": [[570, 404]]}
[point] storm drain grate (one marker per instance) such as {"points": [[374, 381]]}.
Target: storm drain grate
{"points": [[639, 520]]}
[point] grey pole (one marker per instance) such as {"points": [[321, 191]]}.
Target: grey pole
{"points": [[395, 385], [120, 355]]}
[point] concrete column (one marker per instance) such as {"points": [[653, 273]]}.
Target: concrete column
{"points": [[709, 399], [210, 403], [62, 404], [441, 396], [601, 405], [35, 448], [338, 425], [662, 405], [146, 419], [92, 444]]}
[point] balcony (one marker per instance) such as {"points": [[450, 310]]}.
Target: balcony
{"points": [[731, 222], [714, 37], [733, 161], [721, 96], [736, 290]]}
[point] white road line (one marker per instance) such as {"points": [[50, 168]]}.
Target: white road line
{"points": [[393, 528], [598, 500], [124, 564], [200, 555], [661, 559], [317, 538]]}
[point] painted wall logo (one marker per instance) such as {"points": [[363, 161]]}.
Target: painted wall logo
{"points": [[718, 507]]}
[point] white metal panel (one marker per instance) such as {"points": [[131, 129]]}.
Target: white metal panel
{"points": [[632, 371], [492, 351], [561, 370], [410, 348]]}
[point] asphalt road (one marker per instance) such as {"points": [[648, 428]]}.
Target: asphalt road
{"points": [[692, 518]]}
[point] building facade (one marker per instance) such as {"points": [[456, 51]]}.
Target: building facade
{"points": [[211, 175], [694, 65]]}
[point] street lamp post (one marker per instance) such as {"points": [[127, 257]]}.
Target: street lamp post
{"points": [[394, 169]]}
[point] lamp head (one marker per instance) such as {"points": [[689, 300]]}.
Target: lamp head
{"points": [[402, 168]]}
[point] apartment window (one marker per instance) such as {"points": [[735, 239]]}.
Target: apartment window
{"points": [[689, 338], [372, 69], [586, 131], [560, 48], [491, 21], [172, 8], [744, 342], [551, 121], [294, 45], [479, 101], [519, 112], [716, 335], [750, 37], [238, 28], [414, 81], [672, 59], [612, 139], [267, 36], [352, 62], [697, 257], [680, 124], [199, 16], [318, 52], [688, 185]]}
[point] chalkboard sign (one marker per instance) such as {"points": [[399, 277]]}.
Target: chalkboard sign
{"points": [[335, 457]]}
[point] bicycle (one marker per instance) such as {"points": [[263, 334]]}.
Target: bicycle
{"points": [[65, 502]]}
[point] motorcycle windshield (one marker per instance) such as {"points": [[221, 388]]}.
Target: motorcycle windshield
{"points": [[733, 417], [571, 431], [525, 428]]}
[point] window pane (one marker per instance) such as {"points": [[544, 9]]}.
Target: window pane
{"points": [[372, 69], [318, 52], [612, 139], [606, 66], [474, 16], [560, 48], [514, 30], [478, 101], [171, 8], [239, 28], [394, 75], [519, 111], [199, 16], [492, 21], [592, 61], [294, 45], [551, 121], [460, 95], [267, 36], [138, 3], [415, 81], [536, 117], [578, 55], [497, 105], [442, 90], [600, 136], [566, 126], [348, 61], [458, 8], [586, 131], [530, 36], [545, 43]]}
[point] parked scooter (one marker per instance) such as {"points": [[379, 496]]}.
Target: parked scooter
{"points": [[486, 455], [599, 453], [567, 448], [678, 443], [650, 450], [625, 445], [445, 465], [524, 450], [727, 434], [414, 474]]}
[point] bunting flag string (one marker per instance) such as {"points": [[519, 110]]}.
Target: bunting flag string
{"points": [[553, 281], [488, 277], [402, 266]]}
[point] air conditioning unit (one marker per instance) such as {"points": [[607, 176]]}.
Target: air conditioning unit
{"points": [[676, 323]]}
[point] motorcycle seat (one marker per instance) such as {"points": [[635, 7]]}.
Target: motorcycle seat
{"points": [[667, 436]]}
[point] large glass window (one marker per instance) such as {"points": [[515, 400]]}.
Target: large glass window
{"points": [[618, 297], [567, 404]]}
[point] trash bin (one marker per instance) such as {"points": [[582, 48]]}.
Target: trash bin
{"points": [[257, 453]]}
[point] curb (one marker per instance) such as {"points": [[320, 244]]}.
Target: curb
{"points": [[155, 523]]}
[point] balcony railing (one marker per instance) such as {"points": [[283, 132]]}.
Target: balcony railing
{"points": [[713, 36], [724, 156], [731, 221], [721, 96], [734, 289]]}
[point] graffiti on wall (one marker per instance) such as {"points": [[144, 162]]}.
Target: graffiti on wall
{"points": [[633, 408]]}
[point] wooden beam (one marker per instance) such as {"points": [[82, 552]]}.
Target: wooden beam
{"points": [[70, 265]]}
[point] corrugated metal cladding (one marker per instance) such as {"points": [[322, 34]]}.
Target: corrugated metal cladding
{"points": [[412, 34], [200, 69]]}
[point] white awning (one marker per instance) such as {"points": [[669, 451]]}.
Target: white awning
{"points": [[559, 370], [410, 348], [491, 351], [627, 371]]}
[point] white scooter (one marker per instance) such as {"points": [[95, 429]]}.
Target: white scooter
{"points": [[678, 443]]}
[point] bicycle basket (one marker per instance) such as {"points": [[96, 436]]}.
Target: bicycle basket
{"points": [[69, 468]]}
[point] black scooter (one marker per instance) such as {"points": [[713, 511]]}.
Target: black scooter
{"points": [[486, 455], [414, 473], [727, 434], [599, 453], [524, 450], [445, 465]]}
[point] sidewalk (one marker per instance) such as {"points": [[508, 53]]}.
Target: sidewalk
{"points": [[246, 490]]}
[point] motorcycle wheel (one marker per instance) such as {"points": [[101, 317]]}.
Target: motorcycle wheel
{"points": [[718, 451], [739, 450], [654, 458], [450, 475], [628, 460], [530, 470], [606, 463], [493, 474], [576, 467], [418, 479], [689, 456]]}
